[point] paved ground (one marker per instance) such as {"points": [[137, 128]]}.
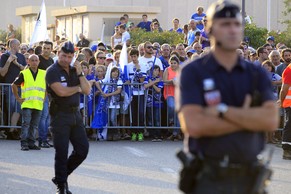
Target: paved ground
{"points": [[111, 167]]}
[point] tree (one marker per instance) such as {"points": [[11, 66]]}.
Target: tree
{"points": [[286, 13]]}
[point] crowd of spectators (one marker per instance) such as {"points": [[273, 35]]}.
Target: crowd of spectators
{"points": [[147, 82]]}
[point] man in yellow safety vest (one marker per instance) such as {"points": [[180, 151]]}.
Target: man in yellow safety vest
{"points": [[33, 88]]}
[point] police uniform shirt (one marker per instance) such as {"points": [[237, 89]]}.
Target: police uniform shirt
{"points": [[242, 146], [55, 73]]}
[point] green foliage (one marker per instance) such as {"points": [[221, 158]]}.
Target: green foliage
{"points": [[256, 34], [3, 34], [284, 37], [139, 36]]}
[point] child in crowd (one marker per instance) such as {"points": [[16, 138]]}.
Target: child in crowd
{"points": [[137, 74], [99, 75], [169, 78], [111, 101], [154, 85], [90, 97]]}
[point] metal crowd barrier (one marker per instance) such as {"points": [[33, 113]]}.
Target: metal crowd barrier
{"points": [[124, 116], [124, 120]]}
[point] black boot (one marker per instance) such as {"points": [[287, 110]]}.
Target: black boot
{"points": [[62, 188]]}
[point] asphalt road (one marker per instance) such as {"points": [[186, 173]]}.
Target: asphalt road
{"points": [[111, 167]]}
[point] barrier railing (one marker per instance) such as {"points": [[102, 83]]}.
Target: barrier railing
{"points": [[155, 116]]}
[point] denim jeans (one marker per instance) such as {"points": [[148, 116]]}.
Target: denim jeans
{"points": [[11, 103], [30, 120], [172, 116], [44, 122], [113, 119], [153, 118]]}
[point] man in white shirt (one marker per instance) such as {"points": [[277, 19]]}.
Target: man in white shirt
{"points": [[125, 34], [148, 59]]}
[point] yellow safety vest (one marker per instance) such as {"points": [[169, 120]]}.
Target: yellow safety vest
{"points": [[33, 91]]}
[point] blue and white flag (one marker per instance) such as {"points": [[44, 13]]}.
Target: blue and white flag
{"points": [[40, 29], [123, 61]]}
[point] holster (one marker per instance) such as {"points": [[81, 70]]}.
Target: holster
{"points": [[189, 172], [53, 108], [262, 177]]}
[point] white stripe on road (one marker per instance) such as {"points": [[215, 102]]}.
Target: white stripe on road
{"points": [[170, 171], [136, 152]]}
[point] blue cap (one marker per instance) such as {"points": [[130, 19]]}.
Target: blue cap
{"points": [[94, 48], [271, 38], [68, 47], [191, 51]]}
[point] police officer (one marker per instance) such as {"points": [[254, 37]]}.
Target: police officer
{"points": [[225, 104], [64, 84]]}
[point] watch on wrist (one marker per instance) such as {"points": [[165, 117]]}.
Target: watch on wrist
{"points": [[222, 109], [81, 74]]}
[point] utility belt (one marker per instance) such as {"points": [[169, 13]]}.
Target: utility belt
{"points": [[194, 167], [221, 169], [54, 108]]}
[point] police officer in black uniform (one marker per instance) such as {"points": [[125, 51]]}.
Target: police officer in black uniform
{"points": [[64, 84], [225, 104]]}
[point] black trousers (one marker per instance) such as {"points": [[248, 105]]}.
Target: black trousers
{"points": [[68, 127], [287, 130], [138, 111]]}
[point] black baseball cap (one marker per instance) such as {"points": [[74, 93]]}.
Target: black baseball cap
{"points": [[68, 47], [223, 9]]}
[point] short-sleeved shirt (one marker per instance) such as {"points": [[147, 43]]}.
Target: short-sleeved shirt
{"points": [[83, 43], [242, 146], [191, 36], [154, 98], [13, 70], [148, 62], [125, 37], [145, 25], [114, 101], [198, 18], [280, 68], [55, 73], [179, 30], [134, 77], [44, 63]]}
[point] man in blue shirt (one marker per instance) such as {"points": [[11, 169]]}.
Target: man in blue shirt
{"points": [[198, 17], [225, 105], [145, 24]]}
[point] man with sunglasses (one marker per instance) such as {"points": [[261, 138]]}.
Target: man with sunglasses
{"points": [[262, 54], [64, 85], [225, 105], [149, 59]]}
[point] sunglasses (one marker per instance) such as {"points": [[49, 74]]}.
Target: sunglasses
{"points": [[150, 47], [101, 49], [101, 57]]}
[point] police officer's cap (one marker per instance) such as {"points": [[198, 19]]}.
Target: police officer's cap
{"points": [[223, 9], [68, 47]]}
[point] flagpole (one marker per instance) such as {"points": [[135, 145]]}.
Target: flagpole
{"points": [[40, 29]]}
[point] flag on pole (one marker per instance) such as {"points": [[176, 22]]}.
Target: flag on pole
{"points": [[102, 33], [40, 29], [123, 61]]}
